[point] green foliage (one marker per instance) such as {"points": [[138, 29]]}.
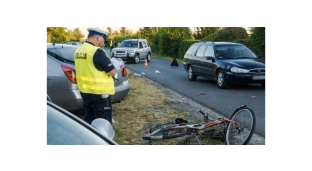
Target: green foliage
{"points": [[256, 42], [227, 34], [201, 32], [123, 30], [168, 39], [60, 34], [184, 45], [258, 38]]}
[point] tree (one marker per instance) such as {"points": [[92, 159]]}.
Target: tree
{"points": [[201, 32], [77, 35], [109, 29], [57, 34], [123, 30], [227, 34], [128, 31]]}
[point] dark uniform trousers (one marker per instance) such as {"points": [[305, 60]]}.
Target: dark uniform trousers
{"points": [[95, 106]]}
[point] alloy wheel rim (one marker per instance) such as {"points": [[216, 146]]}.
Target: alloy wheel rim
{"points": [[190, 72], [220, 79]]}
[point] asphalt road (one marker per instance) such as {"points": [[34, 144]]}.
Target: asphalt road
{"points": [[223, 101]]}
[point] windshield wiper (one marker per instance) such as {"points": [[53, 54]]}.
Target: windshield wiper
{"points": [[59, 57], [56, 56]]}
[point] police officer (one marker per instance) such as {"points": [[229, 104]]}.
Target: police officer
{"points": [[95, 75]]}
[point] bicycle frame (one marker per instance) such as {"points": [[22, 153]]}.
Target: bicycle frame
{"points": [[198, 127]]}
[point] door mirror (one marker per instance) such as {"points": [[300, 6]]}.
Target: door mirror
{"points": [[209, 58], [104, 127]]}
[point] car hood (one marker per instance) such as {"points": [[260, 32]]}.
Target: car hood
{"points": [[124, 48], [246, 63]]}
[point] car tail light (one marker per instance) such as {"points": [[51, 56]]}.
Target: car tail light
{"points": [[123, 70], [70, 73]]}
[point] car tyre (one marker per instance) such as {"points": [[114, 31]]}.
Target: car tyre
{"points": [[191, 75], [221, 80], [136, 58], [148, 58]]}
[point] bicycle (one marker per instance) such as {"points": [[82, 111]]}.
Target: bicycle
{"points": [[237, 130]]}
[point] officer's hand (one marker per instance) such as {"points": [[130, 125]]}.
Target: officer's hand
{"points": [[119, 59]]}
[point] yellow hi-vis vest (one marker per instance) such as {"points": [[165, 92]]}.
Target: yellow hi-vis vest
{"points": [[89, 79], [111, 43]]}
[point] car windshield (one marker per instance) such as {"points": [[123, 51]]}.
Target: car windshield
{"points": [[65, 53], [233, 51], [129, 44], [62, 130]]}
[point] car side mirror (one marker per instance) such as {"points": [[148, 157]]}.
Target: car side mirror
{"points": [[104, 127], [209, 58]]}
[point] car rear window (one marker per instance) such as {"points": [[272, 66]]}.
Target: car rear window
{"points": [[65, 53]]}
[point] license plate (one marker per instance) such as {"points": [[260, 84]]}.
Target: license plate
{"points": [[120, 56], [258, 77]]}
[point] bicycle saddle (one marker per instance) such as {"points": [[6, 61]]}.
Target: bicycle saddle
{"points": [[180, 120]]}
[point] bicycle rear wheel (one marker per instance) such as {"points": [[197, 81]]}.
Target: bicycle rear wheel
{"points": [[240, 133]]}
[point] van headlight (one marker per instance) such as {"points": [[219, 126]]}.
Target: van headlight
{"points": [[239, 70]]}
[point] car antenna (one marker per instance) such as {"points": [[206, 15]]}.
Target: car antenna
{"points": [[55, 41]]}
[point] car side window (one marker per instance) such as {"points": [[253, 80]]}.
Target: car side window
{"points": [[144, 44], [201, 50], [209, 52], [140, 44], [147, 44], [192, 49]]}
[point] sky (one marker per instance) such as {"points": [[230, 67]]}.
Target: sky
{"points": [[84, 27]]}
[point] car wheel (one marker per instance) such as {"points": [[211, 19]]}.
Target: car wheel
{"points": [[148, 57], [191, 76], [263, 85], [136, 58], [221, 80]]}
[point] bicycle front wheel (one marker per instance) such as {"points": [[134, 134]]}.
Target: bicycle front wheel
{"points": [[241, 130]]}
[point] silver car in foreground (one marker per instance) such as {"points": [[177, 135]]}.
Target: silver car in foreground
{"points": [[62, 87], [64, 128], [133, 50]]}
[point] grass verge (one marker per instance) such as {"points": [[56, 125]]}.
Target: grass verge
{"points": [[145, 106]]}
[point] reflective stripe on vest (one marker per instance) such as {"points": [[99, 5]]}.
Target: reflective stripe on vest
{"points": [[89, 79]]}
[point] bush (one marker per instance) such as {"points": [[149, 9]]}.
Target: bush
{"points": [[227, 34], [184, 45], [167, 40], [258, 38]]}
